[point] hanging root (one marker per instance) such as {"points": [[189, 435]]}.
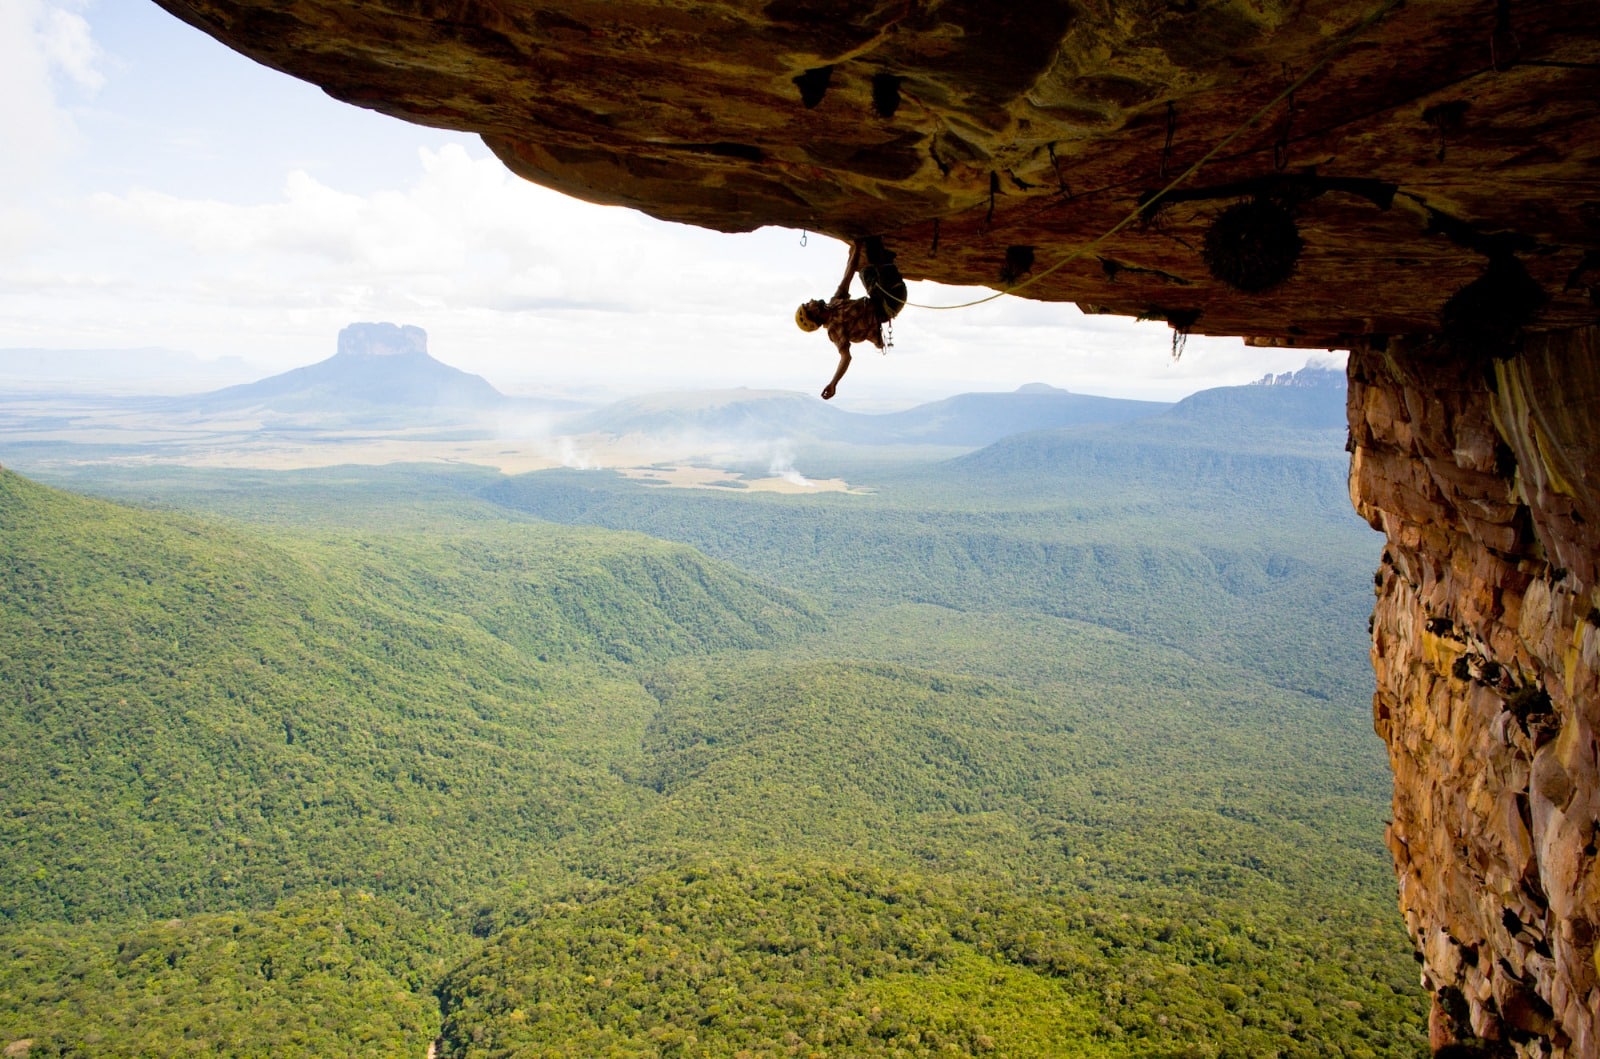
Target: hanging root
{"points": [[1182, 322]]}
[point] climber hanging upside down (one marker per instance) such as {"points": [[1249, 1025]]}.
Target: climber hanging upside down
{"points": [[857, 319]]}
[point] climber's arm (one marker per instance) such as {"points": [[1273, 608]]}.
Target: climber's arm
{"points": [[849, 273], [844, 366]]}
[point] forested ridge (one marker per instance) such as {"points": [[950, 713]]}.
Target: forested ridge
{"points": [[365, 758], [196, 717]]}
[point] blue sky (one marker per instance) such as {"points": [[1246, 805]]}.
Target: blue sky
{"points": [[157, 189]]}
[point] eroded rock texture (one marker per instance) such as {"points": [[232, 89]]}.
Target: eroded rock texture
{"points": [[1429, 133], [1485, 475]]}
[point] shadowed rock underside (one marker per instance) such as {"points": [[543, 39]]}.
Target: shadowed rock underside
{"points": [[1430, 133]]}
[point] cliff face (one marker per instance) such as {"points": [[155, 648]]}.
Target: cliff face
{"points": [[1418, 181], [1486, 643]]}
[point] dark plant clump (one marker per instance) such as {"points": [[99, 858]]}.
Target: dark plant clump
{"points": [[1019, 262], [1253, 246], [1486, 317]]}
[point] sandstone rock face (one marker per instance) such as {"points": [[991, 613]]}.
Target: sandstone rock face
{"points": [[1370, 174], [1425, 138], [1486, 643]]}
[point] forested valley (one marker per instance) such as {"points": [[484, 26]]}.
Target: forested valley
{"points": [[1058, 748]]}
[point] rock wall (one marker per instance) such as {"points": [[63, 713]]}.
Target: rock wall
{"points": [[1484, 474]]}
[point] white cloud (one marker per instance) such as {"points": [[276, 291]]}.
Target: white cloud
{"points": [[70, 48], [463, 218], [466, 238], [41, 45]]}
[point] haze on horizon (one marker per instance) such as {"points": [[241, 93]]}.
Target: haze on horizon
{"points": [[164, 192]]}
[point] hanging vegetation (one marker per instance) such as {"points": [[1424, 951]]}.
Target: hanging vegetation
{"points": [[1253, 246], [1486, 317]]}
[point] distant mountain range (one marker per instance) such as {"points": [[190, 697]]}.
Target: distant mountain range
{"points": [[723, 413], [147, 370], [965, 420], [1244, 440], [1319, 376], [1309, 399], [980, 418], [383, 378]]}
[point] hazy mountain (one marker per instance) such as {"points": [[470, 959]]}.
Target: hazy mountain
{"points": [[1309, 399], [149, 370], [730, 414], [1140, 526], [1281, 445], [380, 369], [376, 364], [1320, 376], [980, 418], [969, 419]]}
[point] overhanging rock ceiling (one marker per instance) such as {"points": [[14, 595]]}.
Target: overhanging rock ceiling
{"points": [[998, 144]]}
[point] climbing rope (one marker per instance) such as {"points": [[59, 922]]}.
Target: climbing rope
{"points": [[1144, 207]]}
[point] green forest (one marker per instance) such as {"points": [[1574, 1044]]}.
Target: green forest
{"points": [[1060, 748]]}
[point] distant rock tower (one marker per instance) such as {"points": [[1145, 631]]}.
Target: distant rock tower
{"points": [[382, 340]]}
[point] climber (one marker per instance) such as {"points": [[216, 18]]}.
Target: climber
{"points": [[857, 319]]}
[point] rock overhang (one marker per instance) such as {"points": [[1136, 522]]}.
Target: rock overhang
{"points": [[997, 145]]}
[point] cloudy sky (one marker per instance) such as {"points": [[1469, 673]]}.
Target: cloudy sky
{"points": [[159, 190]]}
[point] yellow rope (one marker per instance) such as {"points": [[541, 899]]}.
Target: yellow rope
{"points": [[1338, 46]]}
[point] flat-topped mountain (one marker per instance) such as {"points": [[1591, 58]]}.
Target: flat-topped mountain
{"points": [[377, 366]]}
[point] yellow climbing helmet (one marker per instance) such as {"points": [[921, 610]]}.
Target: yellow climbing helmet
{"points": [[803, 318]]}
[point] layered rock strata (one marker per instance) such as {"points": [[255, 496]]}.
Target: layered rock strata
{"points": [[1485, 476]]}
